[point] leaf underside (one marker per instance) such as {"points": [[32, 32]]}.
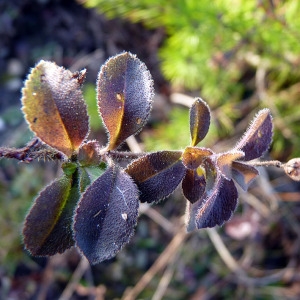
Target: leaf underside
{"points": [[243, 174], [54, 107], [106, 215], [157, 174], [224, 162], [48, 225], [125, 92]]}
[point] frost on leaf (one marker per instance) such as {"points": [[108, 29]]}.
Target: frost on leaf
{"points": [[258, 137], [54, 107], [125, 92], [199, 121], [106, 215], [157, 174], [48, 225]]}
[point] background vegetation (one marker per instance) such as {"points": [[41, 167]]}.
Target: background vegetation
{"points": [[239, 57]]}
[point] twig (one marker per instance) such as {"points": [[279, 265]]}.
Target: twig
{"points": [[35, 149], [160, 263], [166, 279], [133, 144], [228, 259], [78, 273], [261, 208], [268, 163], [168, 226], [241, 275], [182, 99]]}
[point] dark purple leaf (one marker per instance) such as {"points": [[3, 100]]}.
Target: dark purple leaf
{"points": [[193, 185], [215, 207], [258, 137], [125, 92], [157, 174], [48, 225], [106, 215], [199, 121], [243, 174]]}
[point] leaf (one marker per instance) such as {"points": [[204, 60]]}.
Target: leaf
{"points": [[157, 174], [258, 136], [193, 156], [243, 174], [199, 121], [106, 215], [85, 180], [48, 225], [125, 92], [224, 162], [193, 185], [215, 207], [54, 107]]}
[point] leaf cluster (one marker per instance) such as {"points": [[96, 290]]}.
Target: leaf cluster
{"points": [[94, 205]]}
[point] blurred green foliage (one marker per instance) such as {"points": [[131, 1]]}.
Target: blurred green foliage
{"points": [[174, 134], [17, 192], [90, 97], [220, 47]]}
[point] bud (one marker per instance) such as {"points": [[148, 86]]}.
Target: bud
{"points": [[292, 168]]}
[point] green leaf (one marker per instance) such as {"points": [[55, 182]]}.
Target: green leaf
{"points": [[85, 179], [199, 121], [54, 107], [125, 92], [106, 215], [48, 225], [157, 174]]}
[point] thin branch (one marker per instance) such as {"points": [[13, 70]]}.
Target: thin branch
{"points": [[124, 155], [168, 226], [165, 279], [77, 275], [35, 149], [160, 263], [269, 163], [241, 275]]}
